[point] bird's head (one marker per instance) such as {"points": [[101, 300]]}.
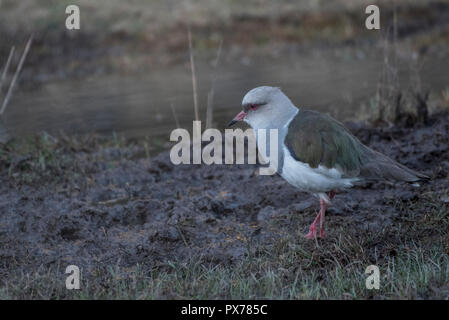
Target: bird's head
{"points": [[265, 107]]}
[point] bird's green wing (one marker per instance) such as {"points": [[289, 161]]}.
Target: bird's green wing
{"points": [[317, 139]]}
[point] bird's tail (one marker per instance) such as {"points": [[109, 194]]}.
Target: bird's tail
{"points": [[380, 167]]}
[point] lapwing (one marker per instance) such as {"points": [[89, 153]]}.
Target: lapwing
{"points": [[316, 153]]}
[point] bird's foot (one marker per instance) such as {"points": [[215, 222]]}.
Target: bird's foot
{"points": [[312, 232], [319, 219]]}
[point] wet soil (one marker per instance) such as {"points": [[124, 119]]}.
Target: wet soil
{"points": [[114, 206]]}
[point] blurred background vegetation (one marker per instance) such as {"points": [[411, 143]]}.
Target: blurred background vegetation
{"points": [[127, 69]]}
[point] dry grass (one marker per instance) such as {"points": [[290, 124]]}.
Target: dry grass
{"points": [[6, 67], [16, 74], [194, 82], [210, 95]]}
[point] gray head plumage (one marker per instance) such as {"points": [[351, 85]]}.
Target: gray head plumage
{"points": [[267, 107]]}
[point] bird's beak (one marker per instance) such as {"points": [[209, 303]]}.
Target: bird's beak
{"points": [[238, 117]]}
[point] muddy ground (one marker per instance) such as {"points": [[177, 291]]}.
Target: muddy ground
{"points": [[98, 207]]}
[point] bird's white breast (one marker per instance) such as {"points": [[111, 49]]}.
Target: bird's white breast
{"points": [[314, 180]]}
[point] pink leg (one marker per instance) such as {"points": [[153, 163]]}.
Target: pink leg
{"points": [[312, 228], [323, 212], [331, 195], [319, 219]]}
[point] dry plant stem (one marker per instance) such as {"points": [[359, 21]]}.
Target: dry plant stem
{"points": [[194, 85], [210, 96], [210, 107], [16, 75], [388, 86], [5, 70], [172, 106]]}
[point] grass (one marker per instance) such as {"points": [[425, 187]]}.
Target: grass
{"points": [[281, 272], [16, 74], [30, 159], [45, 158]]}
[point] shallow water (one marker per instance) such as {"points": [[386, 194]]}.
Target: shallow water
{"points": [[339, 82]]}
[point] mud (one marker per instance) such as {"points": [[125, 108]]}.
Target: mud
{"points": [[113, 206]]}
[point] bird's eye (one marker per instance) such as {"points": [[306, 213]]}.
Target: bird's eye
{"points": [[253, 107]]}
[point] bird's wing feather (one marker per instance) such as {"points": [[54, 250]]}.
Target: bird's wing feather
{"points": [[317, 139]]}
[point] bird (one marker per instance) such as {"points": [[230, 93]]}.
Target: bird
{"points": [[316, 153]]}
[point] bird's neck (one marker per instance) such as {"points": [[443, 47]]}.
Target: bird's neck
{"points": [[280, 123]]}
